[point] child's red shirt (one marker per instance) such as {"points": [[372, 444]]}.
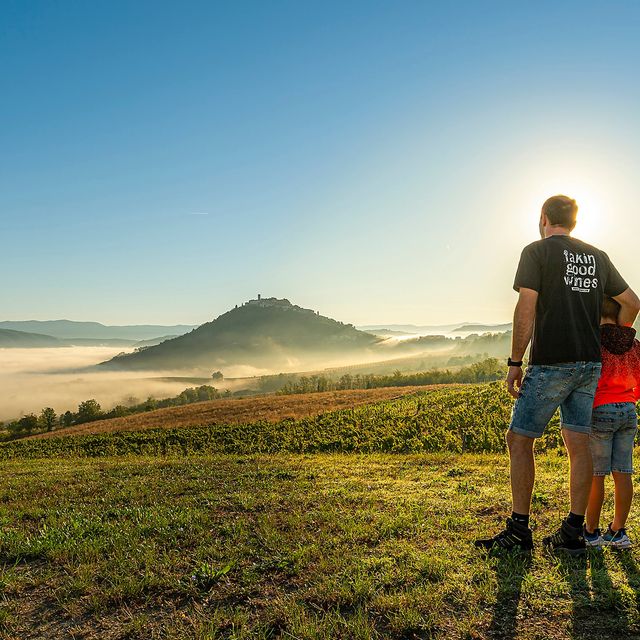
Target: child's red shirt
{"points": [[620, 379]]}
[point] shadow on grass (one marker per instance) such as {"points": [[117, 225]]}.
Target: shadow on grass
{"points": [[597, 608], [574, 571], [510, 570], [625, 560]]}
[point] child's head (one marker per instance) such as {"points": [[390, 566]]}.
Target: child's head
{"points": [[610, 310]]}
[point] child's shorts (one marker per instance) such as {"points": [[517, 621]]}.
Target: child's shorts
{"points": [[613, 431]]}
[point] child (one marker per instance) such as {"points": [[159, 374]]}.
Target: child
{"points": [[613, 428]]}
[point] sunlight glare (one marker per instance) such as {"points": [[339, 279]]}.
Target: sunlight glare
{"points": [[591, 215]]}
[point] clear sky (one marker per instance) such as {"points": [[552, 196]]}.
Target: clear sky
{"points": [[379, 161]]}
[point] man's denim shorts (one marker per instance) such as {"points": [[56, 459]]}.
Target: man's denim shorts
{"points": [[571, 386], [613, 431]]}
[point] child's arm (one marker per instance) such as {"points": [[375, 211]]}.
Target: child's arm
{"points": [[636, 369]]}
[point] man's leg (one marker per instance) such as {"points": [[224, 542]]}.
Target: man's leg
{"points": [[517, 534], [531, 414], [522, 471], [579, 451], [594, 508], [576, 413], [570, 537]]}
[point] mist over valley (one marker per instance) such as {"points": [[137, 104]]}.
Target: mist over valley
{"points": [[251, 346]]}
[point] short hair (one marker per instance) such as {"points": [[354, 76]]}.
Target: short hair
{"points": [[561, 211], [610, 308]]}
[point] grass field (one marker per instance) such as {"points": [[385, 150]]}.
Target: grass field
{"points": [[199, 544], [322, 546]]}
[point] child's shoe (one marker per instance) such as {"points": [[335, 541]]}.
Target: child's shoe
{"points": [[594, 539], [616, 539]]}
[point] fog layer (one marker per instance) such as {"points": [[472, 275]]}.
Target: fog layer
{"points": [[31, 379]]}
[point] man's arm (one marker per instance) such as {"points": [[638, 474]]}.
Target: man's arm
{"points": [[630, 304], [523, 320]]}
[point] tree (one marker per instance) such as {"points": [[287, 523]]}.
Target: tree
{"points": [[119, 411], [48, 419], [89, 410], [206, 392], [13, 427], [25, 425], [217, 375], [67, 419]]}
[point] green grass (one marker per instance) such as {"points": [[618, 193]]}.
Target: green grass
{"points": [[353, 525], [292, 546]]}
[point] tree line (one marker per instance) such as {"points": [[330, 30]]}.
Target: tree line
{"points": [[90, 410], [488, 370]]}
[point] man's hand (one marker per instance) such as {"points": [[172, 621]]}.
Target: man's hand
{"points": [[514, 379]]}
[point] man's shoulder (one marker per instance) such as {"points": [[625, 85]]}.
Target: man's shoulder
{"points": [[585, 247], [533, 247], [573, 245]]}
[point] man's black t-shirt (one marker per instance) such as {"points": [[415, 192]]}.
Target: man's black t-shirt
{"points": [[571, 278]]}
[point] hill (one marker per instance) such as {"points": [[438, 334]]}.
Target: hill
{"points": [[73, 329], [154, 341], [411, 328], [270, 408], [483, 328], [262, 333], [24, 339], [489, 344], [387, 332]]}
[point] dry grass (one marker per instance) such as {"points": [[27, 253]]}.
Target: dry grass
{"points": [[270, 408]]}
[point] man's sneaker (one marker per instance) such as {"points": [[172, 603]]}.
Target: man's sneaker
{"points": [[516, 536], [616, 539], [566, 539], [593, 539]]}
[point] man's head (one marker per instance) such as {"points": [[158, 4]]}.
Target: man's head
{"points": [[610, 311], [558, 215]]}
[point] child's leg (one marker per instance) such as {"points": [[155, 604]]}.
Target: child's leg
{"points": [[601, 442], [594, 508], [622, 462], [624, 497]]}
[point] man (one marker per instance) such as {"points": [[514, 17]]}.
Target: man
{"points": [[561, 283]]}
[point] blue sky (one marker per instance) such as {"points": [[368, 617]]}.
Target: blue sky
{"points": [[378, 161]]}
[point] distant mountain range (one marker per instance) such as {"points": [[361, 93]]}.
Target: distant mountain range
{"points": [[262, 333], [483, 328], [389, 332], [153, 341], [95, 330], [25, 340], [410, 328], [439, 329]]}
